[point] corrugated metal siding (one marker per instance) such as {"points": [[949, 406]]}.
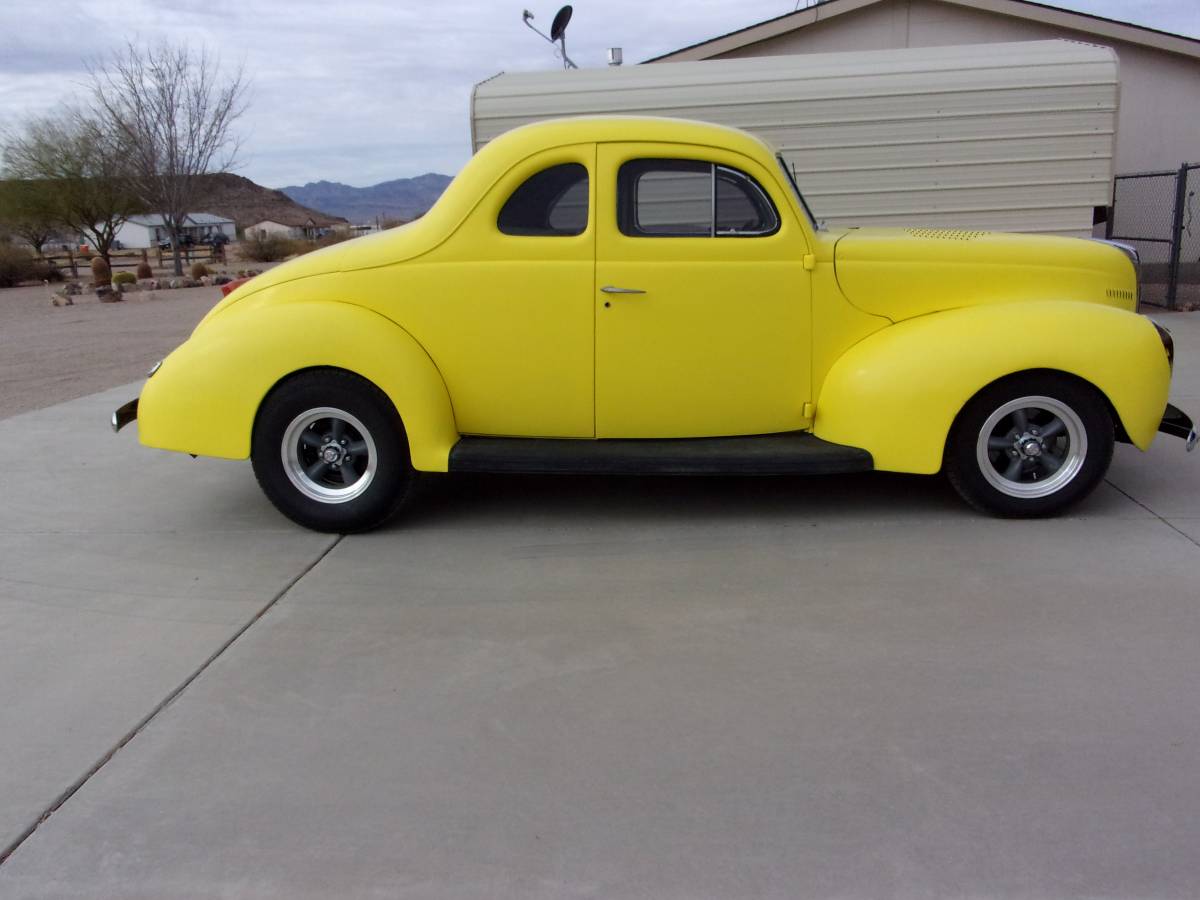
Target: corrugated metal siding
{"points": [[1004, 136]]}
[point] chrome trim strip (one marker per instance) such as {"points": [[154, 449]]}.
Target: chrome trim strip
{"points": [[1128, 249]]}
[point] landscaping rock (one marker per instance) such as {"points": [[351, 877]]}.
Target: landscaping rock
{"points": [[107, 294], [221, 279]]}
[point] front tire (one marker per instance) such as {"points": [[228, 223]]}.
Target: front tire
{"points": [[1030, 445], [329, 450]]}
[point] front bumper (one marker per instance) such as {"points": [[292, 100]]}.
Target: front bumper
{"points": [[1176, 422], [124, 414]]}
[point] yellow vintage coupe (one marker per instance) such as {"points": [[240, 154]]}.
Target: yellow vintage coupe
{"points": [[639, 295]]}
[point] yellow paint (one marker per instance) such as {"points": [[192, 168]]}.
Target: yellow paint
{"points": [[901, 273], [719, 342], [897, 392], [873, 338], [204, 398]]}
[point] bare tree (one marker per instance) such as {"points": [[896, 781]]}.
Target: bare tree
{"points": [[173, 111], [77, 159]]}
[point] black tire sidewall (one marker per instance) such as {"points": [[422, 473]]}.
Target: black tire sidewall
{"points": [[962, 465], [345, 391]]}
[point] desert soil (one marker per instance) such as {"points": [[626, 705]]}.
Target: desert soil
{"points": [[50, 354]]}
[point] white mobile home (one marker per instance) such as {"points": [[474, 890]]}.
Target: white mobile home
{"points": [[1014, 137], [140, 232]]}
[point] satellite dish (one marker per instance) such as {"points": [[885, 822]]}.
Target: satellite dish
{"points": [[559, 25], [557, 35]]}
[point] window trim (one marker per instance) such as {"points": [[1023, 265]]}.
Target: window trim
{"points": [[627, 199]]}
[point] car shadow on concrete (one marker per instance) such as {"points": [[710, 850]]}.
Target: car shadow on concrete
{"points": [[458, 499]]}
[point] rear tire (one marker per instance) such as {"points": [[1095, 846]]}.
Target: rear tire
{"points": [[1030, 445], [329, 450]]}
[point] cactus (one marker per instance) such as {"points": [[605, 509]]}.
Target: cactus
{"points": [[144, 270], [101, 273], [198, 270], [124, 278]]}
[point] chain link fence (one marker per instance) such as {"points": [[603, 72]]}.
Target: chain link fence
{"points": [[1159, 213]]}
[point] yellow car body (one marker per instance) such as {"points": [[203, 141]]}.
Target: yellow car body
{"points": [[870, 338]]}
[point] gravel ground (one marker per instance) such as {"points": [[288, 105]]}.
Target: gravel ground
{"points": [[51, 354]]}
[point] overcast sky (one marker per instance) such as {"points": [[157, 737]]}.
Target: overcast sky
{"points": [[363, 91]]}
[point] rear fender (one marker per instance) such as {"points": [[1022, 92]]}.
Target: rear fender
{"points": [[896, 393], [205, 397]]}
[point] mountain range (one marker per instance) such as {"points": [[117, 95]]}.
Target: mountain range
{"points": [[247, 203], [403, 198]]}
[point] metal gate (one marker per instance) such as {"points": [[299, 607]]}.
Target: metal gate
{"points": [[1159, 213]]}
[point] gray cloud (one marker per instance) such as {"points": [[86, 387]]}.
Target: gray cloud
{"points": [[377, 89]]}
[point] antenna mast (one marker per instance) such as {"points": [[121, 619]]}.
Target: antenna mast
{"points": [[558, 32]]}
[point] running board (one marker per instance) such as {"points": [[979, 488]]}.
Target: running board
{"points": [[791, 453]]}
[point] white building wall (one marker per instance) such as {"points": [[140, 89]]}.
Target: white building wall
{"points": [[262, 229], [1015, 137], [135, 236], [1158, 126]]}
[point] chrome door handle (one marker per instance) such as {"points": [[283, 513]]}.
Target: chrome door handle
{"points": [[609, 289]]}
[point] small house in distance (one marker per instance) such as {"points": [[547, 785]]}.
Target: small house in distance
{"points": [[147, 231], [290, 225]]}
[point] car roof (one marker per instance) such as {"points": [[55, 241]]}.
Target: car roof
{"points": [[609, 129]]}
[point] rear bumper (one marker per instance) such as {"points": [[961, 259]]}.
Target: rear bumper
{"points": [[124, 414], [1176, 422]]}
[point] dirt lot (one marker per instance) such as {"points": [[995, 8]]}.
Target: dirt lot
{"points": [[50, 354]]}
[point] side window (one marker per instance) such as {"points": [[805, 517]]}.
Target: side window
{"points": [[687, 198], [554, 202]]}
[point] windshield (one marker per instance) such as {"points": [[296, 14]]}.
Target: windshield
{"points": [[787, 170]]}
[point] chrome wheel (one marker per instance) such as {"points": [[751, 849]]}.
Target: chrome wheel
{"points": [[1031, 447], [328, 455]]}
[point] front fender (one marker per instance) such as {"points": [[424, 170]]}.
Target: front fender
{"points": [[896, 393], [204, 398]]}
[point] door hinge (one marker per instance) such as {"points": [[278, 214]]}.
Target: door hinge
{"points": [[809, 411], [810, 261]]}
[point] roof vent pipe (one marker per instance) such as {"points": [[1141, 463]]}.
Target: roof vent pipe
{"points": [[615, 56]]}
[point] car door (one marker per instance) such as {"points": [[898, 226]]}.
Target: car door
{"points": [[702, 298], [504, 307]]}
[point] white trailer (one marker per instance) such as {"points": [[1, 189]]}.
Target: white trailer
{"points": [[1015, 137]]}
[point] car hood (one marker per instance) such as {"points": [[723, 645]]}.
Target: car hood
{"points": [[902, 273]]}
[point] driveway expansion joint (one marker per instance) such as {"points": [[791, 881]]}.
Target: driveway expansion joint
{"points": [[66, 795], [1152, 512]]}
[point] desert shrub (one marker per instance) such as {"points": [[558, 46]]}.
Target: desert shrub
{"points": [[144, 270], [43, 270], [16, 265], [101, 273], [124, 278], [334, 237], [198, 270], [267, 248]]}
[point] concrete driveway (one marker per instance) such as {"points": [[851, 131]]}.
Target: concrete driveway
{"points": [[717, 688]]}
